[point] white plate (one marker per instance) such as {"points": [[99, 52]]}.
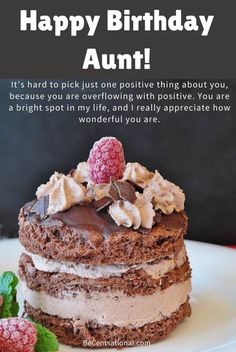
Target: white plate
{"points": [[212, 326]]}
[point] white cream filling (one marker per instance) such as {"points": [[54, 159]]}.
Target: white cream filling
{"points": [[156, 270], [111, 308]]}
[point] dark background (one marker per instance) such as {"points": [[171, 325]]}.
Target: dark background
{"points": [[195, 150]]}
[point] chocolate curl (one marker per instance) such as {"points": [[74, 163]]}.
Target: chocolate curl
{"points": [[41, 207]]}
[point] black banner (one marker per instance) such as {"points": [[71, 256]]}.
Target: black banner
{"points": [[122, 39]]}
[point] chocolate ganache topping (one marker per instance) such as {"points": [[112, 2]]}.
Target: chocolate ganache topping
{"points": [[86, 217], [137, 199]]}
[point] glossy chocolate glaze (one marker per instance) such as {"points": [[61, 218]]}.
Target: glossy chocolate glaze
{"points": [[88, 218], [82, 216]]}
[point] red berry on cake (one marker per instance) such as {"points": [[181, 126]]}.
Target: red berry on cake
{"points": [[18, 335], [106, 160]]}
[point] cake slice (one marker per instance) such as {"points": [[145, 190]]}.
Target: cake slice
{"points": [[105, 263]]}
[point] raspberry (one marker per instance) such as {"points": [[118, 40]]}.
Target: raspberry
{"points": [[18, 335], [106, 160]]}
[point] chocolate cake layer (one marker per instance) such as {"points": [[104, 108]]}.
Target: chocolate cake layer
{"points": [[90, 334], [131, 283], [96, 239]]}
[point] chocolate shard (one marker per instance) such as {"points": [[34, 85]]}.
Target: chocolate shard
{"points": [[125, 191], [41, 207], [102, 203]]}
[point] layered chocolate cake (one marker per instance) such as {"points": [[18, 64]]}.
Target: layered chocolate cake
{"points": [[104, 260]]}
